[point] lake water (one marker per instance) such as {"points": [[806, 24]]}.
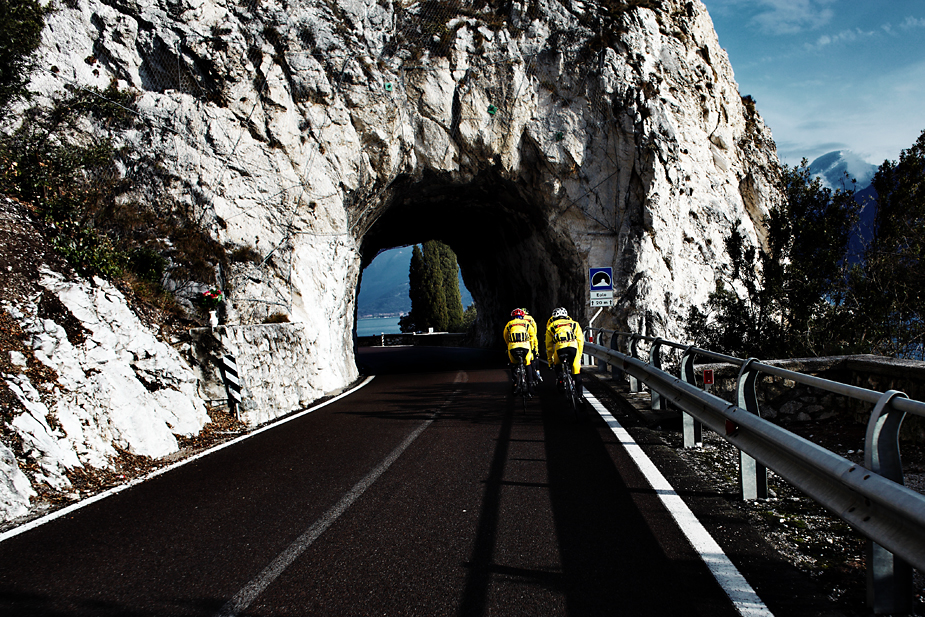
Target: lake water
{"points": [[372, 326]]}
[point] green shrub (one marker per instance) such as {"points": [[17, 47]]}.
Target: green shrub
{"points": [[63, 161], [21, 25]]}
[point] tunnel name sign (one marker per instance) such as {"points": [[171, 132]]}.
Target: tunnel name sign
{"points": [[601, 280]]}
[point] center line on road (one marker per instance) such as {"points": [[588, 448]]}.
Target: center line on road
{"points": [[243, 599], [743, 596]]}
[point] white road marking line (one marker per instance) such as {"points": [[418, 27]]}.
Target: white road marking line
{"points": [[243, 599], [249, 592], [743, 597], [118, 489]]}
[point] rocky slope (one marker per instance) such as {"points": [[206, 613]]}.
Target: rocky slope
{"points": [[84, 383]]}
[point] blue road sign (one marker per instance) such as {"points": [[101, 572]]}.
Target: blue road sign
{"points": [[601, 279]]}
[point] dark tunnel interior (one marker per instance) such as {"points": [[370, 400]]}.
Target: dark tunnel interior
{"points": [[509, 254]]}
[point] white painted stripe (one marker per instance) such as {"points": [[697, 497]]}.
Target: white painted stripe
{"points": [[245, 597], [10, 533], [727, 575], [254, 588]]}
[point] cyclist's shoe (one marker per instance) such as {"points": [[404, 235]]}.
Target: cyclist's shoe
{"points": [[582, 400]]}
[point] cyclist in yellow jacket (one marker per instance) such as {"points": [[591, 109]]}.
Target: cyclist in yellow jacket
{"points": [[536, 347], [520, 338], [564, 344]]}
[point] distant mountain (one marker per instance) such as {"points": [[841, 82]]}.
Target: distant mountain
{"points": [[384, 286], [831, 169]]}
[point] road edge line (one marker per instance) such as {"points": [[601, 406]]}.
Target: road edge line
{"points": [[47, 518], [740, 592]]}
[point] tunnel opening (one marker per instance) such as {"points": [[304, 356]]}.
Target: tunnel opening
{"points": [[508, 248], [383, 297]]}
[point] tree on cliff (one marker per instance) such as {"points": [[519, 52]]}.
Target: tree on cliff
{"points": [[794, 292], [434, 290], [21, 24], [888, 289]]}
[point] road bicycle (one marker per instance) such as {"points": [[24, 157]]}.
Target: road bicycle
{"points": [[567, 385], [520, 381]]}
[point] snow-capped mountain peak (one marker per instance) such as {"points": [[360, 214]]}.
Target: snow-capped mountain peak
{"points": [[832, 166]]}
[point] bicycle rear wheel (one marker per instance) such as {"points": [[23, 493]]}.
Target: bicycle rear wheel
{"points": [[571, 396], [524, 388], [520, 383]]}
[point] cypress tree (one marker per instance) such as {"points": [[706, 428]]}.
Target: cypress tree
{"points": [[434, 294], [433, 279], [452, 297], [416, 271]]}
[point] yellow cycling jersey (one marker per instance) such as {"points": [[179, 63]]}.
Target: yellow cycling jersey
{"points": [[563, 332], [533, 333], [520, 334]]}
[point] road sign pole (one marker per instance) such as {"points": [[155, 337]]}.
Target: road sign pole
{"points": [[585, 358]]}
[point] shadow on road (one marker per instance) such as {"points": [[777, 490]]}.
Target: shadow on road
{"points": [[613, 557], [400, 360]]}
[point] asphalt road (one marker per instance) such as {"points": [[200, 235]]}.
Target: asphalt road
{"points": [[427, 492]]}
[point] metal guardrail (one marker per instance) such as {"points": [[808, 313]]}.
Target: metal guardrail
{"points": [[871, 498], [432, 339]]}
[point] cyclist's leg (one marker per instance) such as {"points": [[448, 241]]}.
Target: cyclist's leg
{"points": [[516, 356], [530, 362], [566, 357], [512, 365], [575, 366], [579, 387]]}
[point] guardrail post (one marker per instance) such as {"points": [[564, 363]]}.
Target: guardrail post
{"points": [[889, 579], [615, 370], [634, 353], [602, 366], [655, 360], [753, 476], [692, 427]]}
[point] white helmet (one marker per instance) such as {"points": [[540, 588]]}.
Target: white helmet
{"points": [[559, 313]]}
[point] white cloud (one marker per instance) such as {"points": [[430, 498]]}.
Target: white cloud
{"points": [[876, 117], [845, 36], [913, 22], [792, 16]]}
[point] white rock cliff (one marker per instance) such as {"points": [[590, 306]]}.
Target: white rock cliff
{"points": [[537, 138]]}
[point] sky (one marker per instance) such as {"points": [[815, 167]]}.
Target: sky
{"points": [[830, 74]]}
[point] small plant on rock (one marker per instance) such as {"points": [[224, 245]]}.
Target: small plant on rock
{"points": [[212, 299]]}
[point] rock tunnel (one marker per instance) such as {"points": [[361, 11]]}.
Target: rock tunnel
{"points": [[508, 251]]}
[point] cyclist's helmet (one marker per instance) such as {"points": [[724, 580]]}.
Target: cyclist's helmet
{"points": [[517, 313], [526, 312], [559, 313]]}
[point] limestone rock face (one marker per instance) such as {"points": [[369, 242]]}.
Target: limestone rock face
{"points": [[537, 140]]}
